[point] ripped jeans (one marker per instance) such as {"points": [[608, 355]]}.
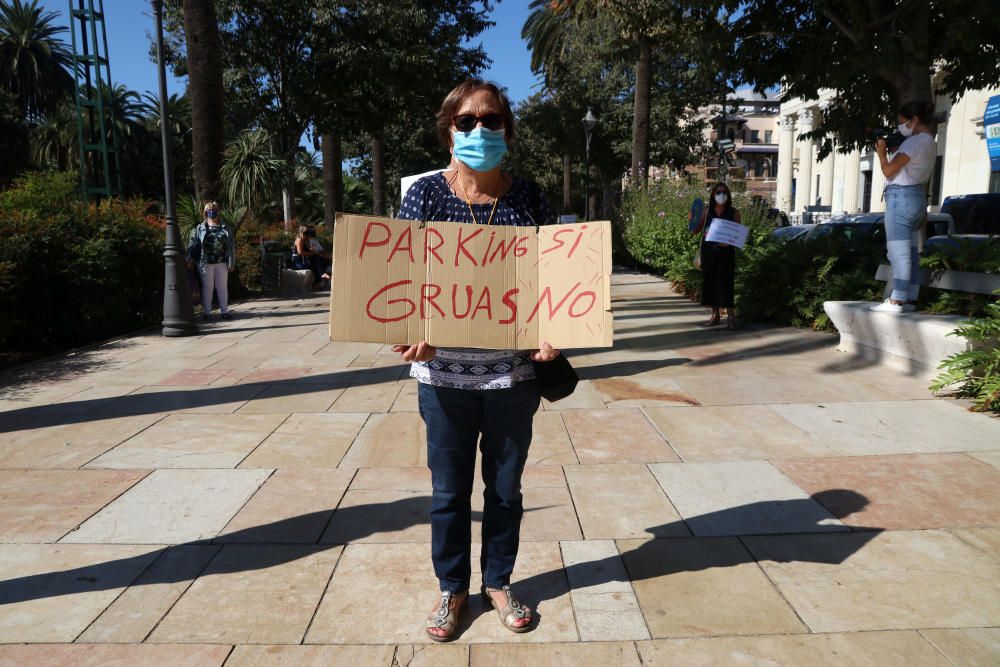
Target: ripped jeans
{"points": [[905, 209]]}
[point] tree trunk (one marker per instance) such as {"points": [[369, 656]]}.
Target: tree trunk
{"points": [[567, 201], [378, 173], [333, 177], [204, 55], [289, 193], [640, 121]]}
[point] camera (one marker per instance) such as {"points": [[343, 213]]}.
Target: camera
{"points": [[893, 139]]}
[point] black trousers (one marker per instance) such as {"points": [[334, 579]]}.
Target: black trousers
{"points": [[718, 271]]}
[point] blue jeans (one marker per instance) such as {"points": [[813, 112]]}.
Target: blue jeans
{"points": [[905, 209], [500, 420]]}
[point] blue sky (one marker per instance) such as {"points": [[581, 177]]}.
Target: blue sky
{"points": [[130, 26]]}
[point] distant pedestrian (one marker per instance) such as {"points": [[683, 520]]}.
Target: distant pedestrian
{"points": [[212, 248], [906, 175], [308, 253], [718, 260]]}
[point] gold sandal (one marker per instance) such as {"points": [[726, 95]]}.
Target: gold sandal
{"points": [[446, 616], [512, 611]]}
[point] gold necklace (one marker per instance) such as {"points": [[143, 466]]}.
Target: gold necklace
{"points": [[468, 200]]}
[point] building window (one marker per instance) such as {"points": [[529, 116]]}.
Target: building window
{"points": [[994, 181], [758, 168], [754, 136], [819, 200], [731, 134], [767, 136], [866, 199]]}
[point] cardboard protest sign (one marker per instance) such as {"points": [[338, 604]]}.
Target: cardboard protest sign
{"points": [[728, 232], [462, 285]]}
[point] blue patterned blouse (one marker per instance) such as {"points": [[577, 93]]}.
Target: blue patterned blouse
{"points": [[430, 198]]}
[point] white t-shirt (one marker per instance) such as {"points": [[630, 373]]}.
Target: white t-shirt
{"points": [[922, 150]]}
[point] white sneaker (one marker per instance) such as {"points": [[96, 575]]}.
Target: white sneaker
{"points": [[888, 306]]}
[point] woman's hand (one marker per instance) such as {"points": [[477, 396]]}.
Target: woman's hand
{"points": [[546, 353], [419, 352], [880, 148]]}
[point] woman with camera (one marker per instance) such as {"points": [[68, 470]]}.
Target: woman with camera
{"points": [[906, 175]]}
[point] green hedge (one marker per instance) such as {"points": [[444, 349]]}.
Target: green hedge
{"points": [[70, 272]]}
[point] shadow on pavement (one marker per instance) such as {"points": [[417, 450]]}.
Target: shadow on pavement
{"points": [[653, 558]]}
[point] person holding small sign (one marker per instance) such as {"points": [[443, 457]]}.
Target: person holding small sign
{"points": [[718, 260], [470, 397]]}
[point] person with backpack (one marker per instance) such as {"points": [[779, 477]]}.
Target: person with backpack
{"points": [[212, 248]]}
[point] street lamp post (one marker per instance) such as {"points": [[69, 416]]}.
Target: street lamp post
{"points": [[589, 122], [178, 311]]}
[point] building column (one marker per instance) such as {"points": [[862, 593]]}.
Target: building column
{"points": [[852, 180], [826, 171], [786, 146], [878, 185], [804, 182], [837, 202]]}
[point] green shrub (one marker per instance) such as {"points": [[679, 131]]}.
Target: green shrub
{"points": [[975, 374], [74, 272], [981, 257]]}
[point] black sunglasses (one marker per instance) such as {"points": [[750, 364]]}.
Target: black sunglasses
{"points": [[466, 122]]}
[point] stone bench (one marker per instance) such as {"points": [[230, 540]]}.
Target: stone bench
{"points": [[912, 342]]}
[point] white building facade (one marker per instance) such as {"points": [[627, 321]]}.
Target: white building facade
{"points": [[852, 182]]}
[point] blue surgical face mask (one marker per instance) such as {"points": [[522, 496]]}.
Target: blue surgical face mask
{"points": [[211, 213], [480, 149]]}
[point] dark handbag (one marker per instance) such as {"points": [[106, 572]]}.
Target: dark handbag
{"points": [[556, 378]]}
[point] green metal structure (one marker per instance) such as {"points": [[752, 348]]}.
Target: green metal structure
{"points": [[100, 171]]}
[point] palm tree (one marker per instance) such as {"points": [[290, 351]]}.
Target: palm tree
{"points": [[54, 139], [251, 172], [205, 65], [35, 66]]}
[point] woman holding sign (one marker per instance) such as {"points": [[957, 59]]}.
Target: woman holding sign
{"points": [[470, 398], [718, 260]]}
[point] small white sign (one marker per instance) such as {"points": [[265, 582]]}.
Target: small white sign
{"points": [[567, 218], [728, 232]]}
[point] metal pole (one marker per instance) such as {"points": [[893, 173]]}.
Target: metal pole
{"points": [[178, 311], [586, 193]]}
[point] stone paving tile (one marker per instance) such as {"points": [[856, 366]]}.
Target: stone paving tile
{"points": [[194, 377], [372, 579], [270, 375], [253, 594], [747, 498], [549, 514], [68, 445], [43, 505], [192, 441], [134, 614], [52, 592], [622, 500], [882, 581], [396, 440], [905, 491], [171, 507], [859, 649], [407, 401], [367, 398], [895, 427], [167, 362], [993, 458], [312, 656], [723, 590], [550, 442], [293, 507], [616, 436], [286, 398], [755, 389], [733, 433], [307, 441], [555, 655], [382, 516], [112, 655], [433, 655], [968, 646], [584, 397], [642, 391], [603, 601], [986, 539], [165, 399]]}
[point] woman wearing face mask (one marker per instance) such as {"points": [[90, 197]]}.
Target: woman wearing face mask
{"points": [[212, 246], [906, 175], [718, 260], [476, 397]]}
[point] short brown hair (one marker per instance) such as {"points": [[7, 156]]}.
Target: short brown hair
{"points": [[454, 100]]}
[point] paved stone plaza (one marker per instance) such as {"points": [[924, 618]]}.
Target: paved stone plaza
{"points": [[257, 495]]}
